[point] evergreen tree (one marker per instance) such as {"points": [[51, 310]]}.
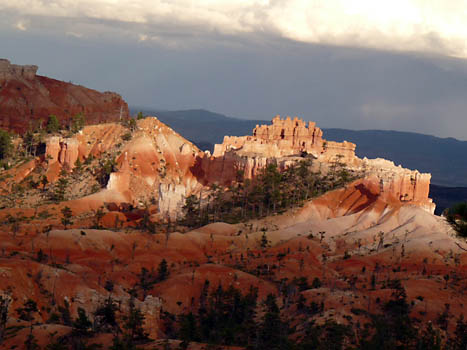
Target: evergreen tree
{"points": [[273, 332], [82, 325], [5, 144], [53, 125], [67, 214], [162, 271], [77, 122], [26, 313]]}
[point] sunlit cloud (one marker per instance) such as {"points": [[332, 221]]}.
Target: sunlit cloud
{"points": [[433, 26], [21, 25], [74, 34]]}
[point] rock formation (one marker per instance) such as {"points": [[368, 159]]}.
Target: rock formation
{"points": [[159, 166], [287, 141], [27, 100]]}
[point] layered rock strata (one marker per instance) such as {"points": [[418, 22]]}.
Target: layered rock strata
{"points": [[27, 100], [159, 166], [289, 140]]}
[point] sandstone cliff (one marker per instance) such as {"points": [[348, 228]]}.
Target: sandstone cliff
{"points": [[27, 99], [159, 166], [287, 141]]}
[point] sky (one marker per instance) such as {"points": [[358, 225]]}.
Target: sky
{"points": [[360, 64]]}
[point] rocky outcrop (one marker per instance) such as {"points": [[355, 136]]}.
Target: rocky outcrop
{"points": [[287, 141], [10, 71], [27, 100], [159, 166], [285, 138]]}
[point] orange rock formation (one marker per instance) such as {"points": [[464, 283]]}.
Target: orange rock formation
{"points": [[287, 141]]}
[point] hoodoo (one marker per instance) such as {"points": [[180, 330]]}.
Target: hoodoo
{"points": [[289, 140]]}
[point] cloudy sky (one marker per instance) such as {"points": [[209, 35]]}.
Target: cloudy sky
{"points": [[360, 64]]}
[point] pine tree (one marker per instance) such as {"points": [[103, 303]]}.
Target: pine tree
{"points": [[5, 144], [53, 125], [67, 215], [162, 271]]}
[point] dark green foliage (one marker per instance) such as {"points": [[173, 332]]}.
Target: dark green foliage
{"points": [[270, 192], [162, 271], [273, 332], [104, 317], [5, 144], [77, 122], [106, 167], [459, 341], [148, 278], [60, 187], [316, 283], [41, 256], [53, 125], [65, 313], [130, 123], [4, 308], [225, 316], [192, 212], [127, 136], [133, 325], [140, 116], [98, 215], [264, 240], [430, 339], [327, 336], [67, 214], [26, 313], [31, 342], [457, 218], [82, 325], [393, 329]]}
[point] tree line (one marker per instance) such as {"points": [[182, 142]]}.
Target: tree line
{"points": [[271, 191]]}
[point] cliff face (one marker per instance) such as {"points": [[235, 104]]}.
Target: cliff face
{"points": [[27, 99], [159, 166], [154, 166], [287, 141]]}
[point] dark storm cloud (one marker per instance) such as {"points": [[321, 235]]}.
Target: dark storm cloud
{"points": [[250, 73]]}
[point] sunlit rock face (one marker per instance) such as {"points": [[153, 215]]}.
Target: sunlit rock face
{"points": [[288, 140], [27, 100], [159, 166]]}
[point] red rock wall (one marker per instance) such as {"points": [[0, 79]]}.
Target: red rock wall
{"points": [[26, 99]]}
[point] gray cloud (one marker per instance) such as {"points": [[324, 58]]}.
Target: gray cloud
{"points": [[401, 25], [255, 72]]}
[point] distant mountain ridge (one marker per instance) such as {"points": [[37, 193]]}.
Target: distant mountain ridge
{"points": [[444, 158]]}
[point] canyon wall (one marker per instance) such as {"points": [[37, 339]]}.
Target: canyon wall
{"points": [[27, 100]]}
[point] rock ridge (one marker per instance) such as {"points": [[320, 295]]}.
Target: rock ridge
{"points": [[28, 99], [289, 140]]}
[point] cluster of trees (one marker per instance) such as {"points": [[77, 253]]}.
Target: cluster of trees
{"points": [[33, 138], [127, 333], [5, 144], [272, 191], [124, 322], [228, 317]]}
